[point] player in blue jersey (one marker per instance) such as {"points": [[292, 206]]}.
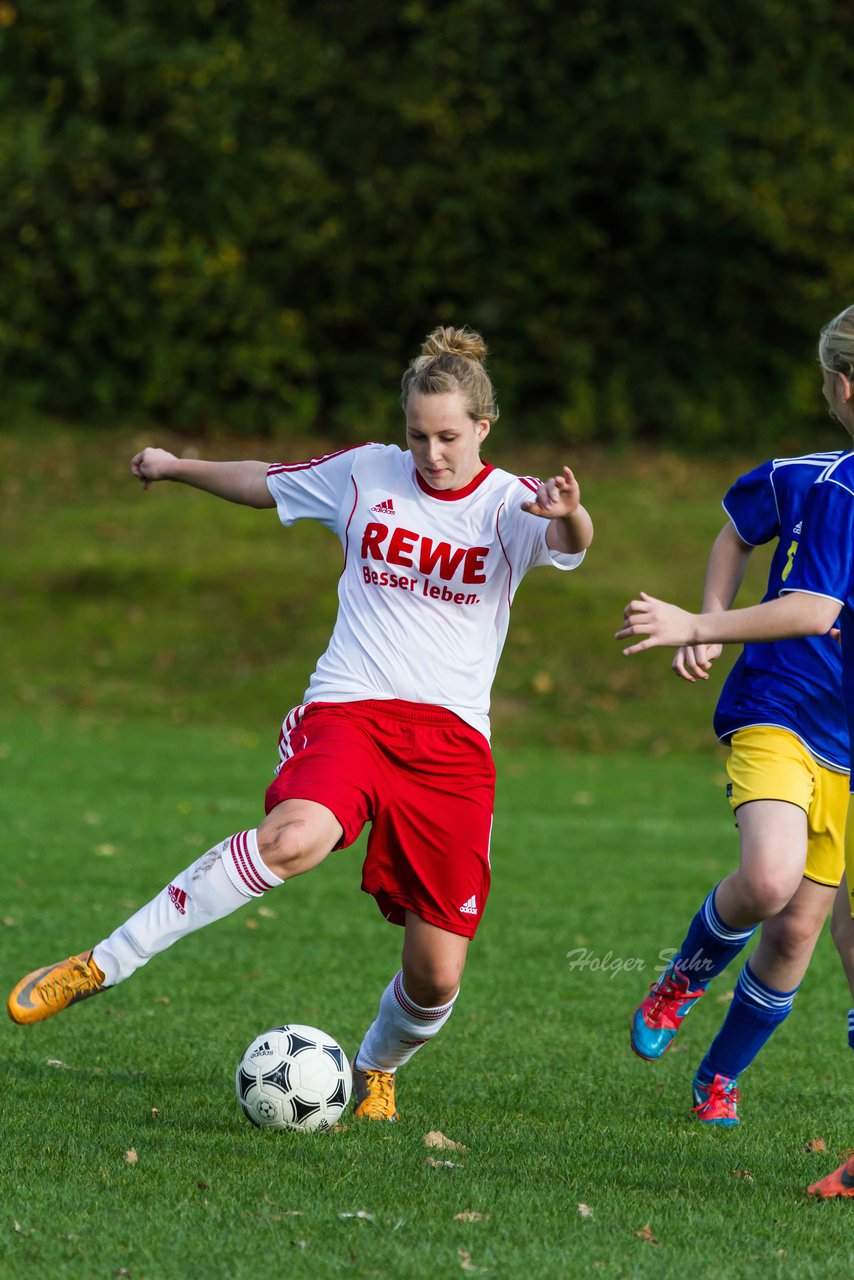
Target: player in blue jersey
{"points": [[781, 713], [818, 588]]}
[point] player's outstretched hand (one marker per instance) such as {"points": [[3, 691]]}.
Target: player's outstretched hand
{"points": [[694, 661], [151, 465], [556, 497], [660, 622]]}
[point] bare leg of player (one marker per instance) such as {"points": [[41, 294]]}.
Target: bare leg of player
{"points": [[413, 1009], [296, 836]]}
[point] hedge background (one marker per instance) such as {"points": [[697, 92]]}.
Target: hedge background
{"points": [[246, 215]]}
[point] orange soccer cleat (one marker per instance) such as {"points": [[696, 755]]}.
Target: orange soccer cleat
{"points": [[838, 1183], [373, 1095], [47, 991]]}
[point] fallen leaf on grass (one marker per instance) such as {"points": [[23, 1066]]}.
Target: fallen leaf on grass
{"points": [[741, 1173], [726, 997], [285, 1213], [131, 1157], [441, 1164], [339, 1128], [815, 1144], [646, 1235], [585, 1211], [55, 1062], [471, 1215], [467, 1264], [436, 1139], [23, 1231]]}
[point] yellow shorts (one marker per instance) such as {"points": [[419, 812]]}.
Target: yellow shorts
{"points": [[849, 854], [766, 763]]}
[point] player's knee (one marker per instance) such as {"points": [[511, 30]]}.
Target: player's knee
{"points": [[287, 848], [764, 894], [794, 937], [432, 984]]}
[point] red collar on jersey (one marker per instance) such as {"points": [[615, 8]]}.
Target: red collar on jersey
{"points": [[451, 495]]}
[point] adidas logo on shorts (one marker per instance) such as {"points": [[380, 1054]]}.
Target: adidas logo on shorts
{"points": [[469, 908], [384, 508]]}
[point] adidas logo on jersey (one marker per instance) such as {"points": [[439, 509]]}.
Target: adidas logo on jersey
{"points": [[384, 508], [179, 898], [470, 908]]}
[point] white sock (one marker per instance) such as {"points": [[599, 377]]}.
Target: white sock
{"points": [[400, 1029], [223, 879]]}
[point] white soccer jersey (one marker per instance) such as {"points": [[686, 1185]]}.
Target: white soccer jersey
{"points": [[429, 575]]}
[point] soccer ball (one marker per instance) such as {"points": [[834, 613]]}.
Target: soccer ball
{"points": [[294, 1077]]}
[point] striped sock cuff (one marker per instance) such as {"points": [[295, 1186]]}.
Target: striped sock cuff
{"points": [[755, 992], [244, 866], [415, 1011], [716, 926]]}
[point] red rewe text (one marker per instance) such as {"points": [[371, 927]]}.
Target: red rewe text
{"points": [[410, 550]]}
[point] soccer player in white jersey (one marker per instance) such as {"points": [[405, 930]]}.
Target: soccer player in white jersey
{"points": [[393, 729], [818, 589], [780, 712]]}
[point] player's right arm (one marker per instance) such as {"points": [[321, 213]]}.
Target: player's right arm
{"points": [[799, 613], [728, 560], [241, 482]]}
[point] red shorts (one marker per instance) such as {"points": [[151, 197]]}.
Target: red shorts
{"points": [[423, 778]]}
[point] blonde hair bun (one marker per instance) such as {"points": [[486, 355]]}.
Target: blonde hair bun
{"points": [[458, 342], [453, 360]]}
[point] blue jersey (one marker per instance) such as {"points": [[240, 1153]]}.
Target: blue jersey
{"points": [[792, 684], [824, 564]]}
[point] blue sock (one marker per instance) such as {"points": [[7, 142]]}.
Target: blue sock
{"points": [[709, 945], [755, 1014], [851, 1028]]}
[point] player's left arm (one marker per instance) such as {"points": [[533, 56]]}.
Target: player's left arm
{"points": [[558, 500]]}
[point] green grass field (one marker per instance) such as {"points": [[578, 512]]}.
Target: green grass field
{"points": [[147, 660]]}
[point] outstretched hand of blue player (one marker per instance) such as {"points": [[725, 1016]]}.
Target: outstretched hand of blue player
{"points": [[661, 624]]}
